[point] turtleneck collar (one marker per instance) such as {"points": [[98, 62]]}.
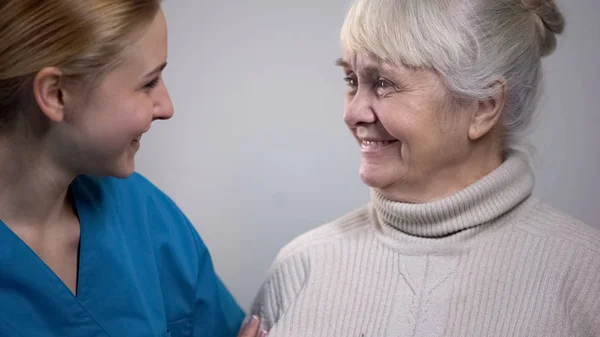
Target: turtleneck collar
{"points": [[480, 203]]}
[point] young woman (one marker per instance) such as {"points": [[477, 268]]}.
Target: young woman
{"points": [[87, 246]]}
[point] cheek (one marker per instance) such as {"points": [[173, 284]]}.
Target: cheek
{"points": [[407, 121], [115, 125], [425, 129], [133, 113]]}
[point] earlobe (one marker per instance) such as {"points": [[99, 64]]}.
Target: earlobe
{"points": [[489, 111], [48, 93]]}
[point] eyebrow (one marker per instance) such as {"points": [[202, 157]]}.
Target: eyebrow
{"points": [[341, 63], [156, 70]]}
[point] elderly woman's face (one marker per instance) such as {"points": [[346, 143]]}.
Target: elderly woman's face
{"points": [[406, 126]]}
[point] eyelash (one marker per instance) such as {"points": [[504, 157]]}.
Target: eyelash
{"points": [[151, 85]]}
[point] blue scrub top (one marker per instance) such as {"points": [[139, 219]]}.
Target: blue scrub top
{"points": [[143, 271]]}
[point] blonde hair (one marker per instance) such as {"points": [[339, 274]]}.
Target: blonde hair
{"points": [[471, 43], [83, 38]]}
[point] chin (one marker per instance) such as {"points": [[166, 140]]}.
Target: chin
{"points": [[123, 175], [377, 177], [121, 170], [125, 172]]}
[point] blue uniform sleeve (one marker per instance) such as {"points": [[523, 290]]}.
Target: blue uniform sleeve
{"points": [[216, 312]]}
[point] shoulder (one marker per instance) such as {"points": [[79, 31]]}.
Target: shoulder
{"points": [[290, 270], [160, 237], [134, 185], [131, 196], [546, 221], [142, 210], [342, 228], [575, 247], [134, 190]]}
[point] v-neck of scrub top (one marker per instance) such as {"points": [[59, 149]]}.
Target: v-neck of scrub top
{"points": [[34, 298], [116, 292]]}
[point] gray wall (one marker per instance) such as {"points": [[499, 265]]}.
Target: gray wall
{"points": [[257, 152]]}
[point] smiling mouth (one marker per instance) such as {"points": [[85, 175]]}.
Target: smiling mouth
{"points": [[375, 144]]}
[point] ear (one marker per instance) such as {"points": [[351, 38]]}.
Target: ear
{"points": [[489, 111], [48, 92]]}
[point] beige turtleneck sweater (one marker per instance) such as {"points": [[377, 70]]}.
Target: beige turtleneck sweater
{"points": [[488, 261]]}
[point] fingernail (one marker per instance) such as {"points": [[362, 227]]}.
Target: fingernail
{"points": [[247, 321], [263, 334], [255, 319]]}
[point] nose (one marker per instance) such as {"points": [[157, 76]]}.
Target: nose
{"points": [[358, 109], [163, 106]]}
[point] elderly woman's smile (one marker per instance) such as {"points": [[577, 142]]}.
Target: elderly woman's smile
{"points": [[371, 145], [372, 139]]}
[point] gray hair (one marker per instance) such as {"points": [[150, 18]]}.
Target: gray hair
{"points": [[471, 43]]}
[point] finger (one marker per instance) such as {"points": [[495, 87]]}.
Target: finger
{"points": [[263, 333], [251, 328]]}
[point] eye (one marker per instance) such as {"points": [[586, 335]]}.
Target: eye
{"points": [[151, 85], [382, 83], [384, 86], [352, 83]]}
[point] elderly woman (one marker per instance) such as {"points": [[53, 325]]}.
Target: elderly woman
{"points": [[453, 243]]}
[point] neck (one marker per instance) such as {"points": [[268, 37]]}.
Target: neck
{"points": [[480, 160], [33, 187], [485, 200]]}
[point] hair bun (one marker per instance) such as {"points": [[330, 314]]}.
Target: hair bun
{"points": [[551, 22]]}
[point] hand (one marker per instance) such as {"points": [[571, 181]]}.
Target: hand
{"points": [[250, 329]]}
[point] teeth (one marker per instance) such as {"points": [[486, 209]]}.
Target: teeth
{"points": [[370, 142]]}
